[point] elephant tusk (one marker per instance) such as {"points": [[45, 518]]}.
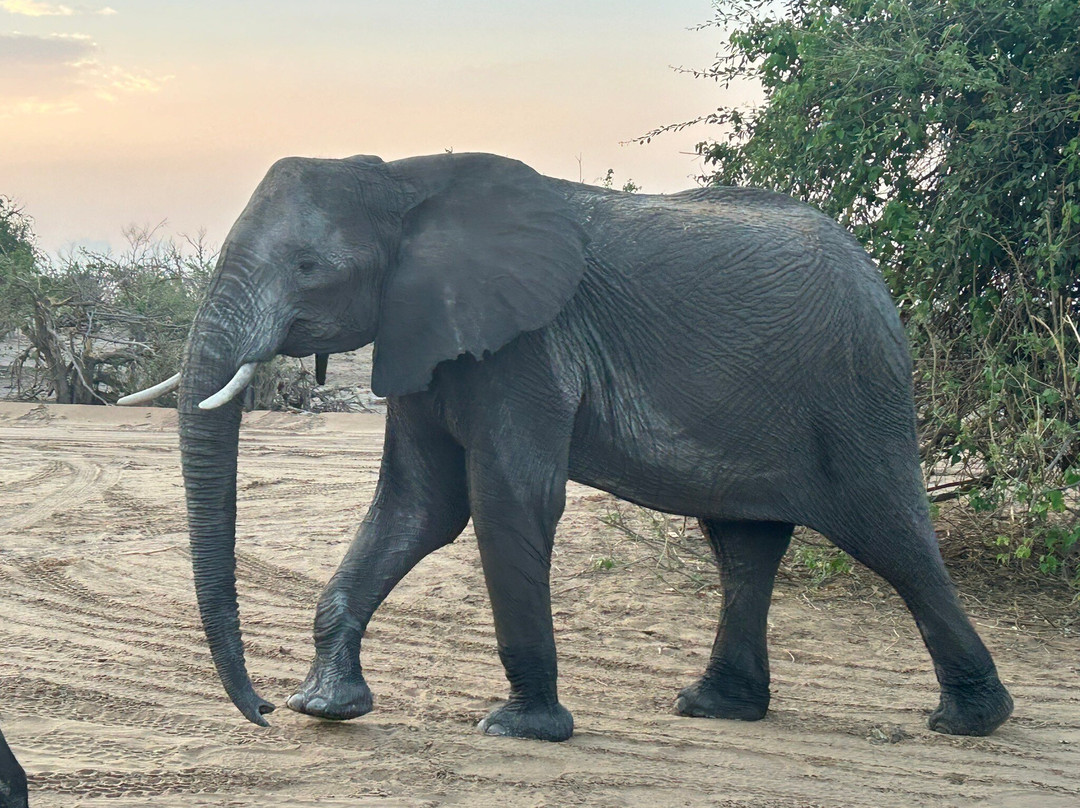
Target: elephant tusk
{"points": [[150, 393], [238, 382]]}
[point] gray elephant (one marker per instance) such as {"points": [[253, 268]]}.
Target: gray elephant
{"points": [[723, 353], [12, 778]]}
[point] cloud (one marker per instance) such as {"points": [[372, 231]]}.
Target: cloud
{"points": [[109, 82], [61, 73], [35, 107], [34, 8], [27, 50], [39, 8]]}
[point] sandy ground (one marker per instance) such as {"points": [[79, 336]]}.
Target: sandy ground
{"points": [[108, 695]]}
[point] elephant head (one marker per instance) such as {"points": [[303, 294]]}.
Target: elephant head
{"points": [[429, 257]]}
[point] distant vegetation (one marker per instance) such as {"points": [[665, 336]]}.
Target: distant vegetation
{"points": [[946, 135], [95, 326], [91, 327]]}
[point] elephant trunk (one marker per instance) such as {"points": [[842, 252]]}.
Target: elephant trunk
{"points": [[209, 441]]}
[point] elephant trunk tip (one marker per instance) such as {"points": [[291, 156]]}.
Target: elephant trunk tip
{"points": [[254, 707]]}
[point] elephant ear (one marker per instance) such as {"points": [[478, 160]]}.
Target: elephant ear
{"points": [[492, 252]]}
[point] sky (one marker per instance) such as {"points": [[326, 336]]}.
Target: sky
{"points": [[119, 113]]}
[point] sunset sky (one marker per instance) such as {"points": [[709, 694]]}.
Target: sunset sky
{"points": [[142, 111]]}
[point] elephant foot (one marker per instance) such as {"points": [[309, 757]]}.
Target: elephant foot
{"points": [[972, 710], [723, 698], [333, 692], [519, 719]]}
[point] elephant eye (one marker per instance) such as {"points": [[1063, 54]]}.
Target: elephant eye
{"points": [[307, 265]]}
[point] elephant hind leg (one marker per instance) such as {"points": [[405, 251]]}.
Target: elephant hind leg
{"points": [[736, 680], [904, 551]]}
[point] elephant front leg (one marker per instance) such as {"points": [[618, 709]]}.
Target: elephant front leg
{"points": [[515, 511], [736, 681], [420, 505]]}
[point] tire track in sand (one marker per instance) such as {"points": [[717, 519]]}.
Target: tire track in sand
{"points": [[109, 696], [81, 482]]}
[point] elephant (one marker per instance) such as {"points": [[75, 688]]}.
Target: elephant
{"points": [[12, 778], [723, 353]]}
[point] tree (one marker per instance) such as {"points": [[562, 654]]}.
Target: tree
{"points": [[98, 325], [946, 135]]}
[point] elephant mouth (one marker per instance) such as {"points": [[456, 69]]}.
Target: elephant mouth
{"points": [[306, 338]]}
